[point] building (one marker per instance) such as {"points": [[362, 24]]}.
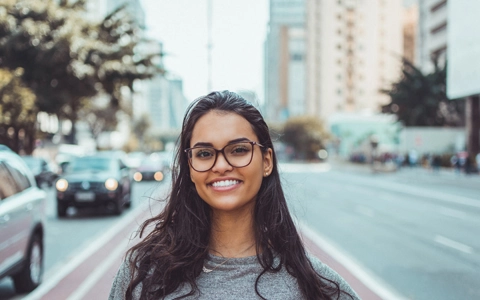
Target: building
{"points": [[160, 99], [410, 28], [285, 60], [354, 50], [163, 103], [432, 34]]}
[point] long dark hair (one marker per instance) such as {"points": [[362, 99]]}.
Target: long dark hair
{"points": [[173, 253]]}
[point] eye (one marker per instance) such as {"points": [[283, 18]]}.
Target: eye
{"points": [[204, 153], [240, 149]]}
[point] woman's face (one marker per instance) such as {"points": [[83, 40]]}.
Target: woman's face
{"points": [[226, 188]]}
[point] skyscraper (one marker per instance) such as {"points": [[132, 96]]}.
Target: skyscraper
{"points": [[354, 49], [285, 60]]}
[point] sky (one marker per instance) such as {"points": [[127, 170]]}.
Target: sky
{"points": [[238, 34]]}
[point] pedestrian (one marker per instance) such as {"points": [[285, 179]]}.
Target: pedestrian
{"points": [[225, 231]]}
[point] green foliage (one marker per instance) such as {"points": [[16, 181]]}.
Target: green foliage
{"points": [[68, 60], [17, 110], [306, 135], [420, 100]]}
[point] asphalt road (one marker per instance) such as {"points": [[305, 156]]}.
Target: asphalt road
{"points": [[415, 232]]}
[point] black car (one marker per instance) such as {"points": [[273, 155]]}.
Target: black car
{"points": [[151, 168], [94, 181], [44, 174], [22, 219]]}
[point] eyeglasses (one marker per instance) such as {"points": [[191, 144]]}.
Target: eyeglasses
{"points": [[238, 155]]}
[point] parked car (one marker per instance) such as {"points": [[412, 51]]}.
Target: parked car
{"points": [[152, 168], [22, 219], [42, 170], [100, 180]]}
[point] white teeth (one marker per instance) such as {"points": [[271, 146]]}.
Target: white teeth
{"points": [[224, 183]]}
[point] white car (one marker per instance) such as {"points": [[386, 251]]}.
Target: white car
{"points": [[22, 215]]}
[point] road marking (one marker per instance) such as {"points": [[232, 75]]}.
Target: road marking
{"points": [[54, 279], [452, 213], [100, 270], [366, 277], [453, 244], [416, 191]]}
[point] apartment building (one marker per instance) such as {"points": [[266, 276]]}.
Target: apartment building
{"points": [[354, 50], [432, 33]]}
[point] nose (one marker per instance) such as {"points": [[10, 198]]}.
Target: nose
{"points": [[221, 164]]}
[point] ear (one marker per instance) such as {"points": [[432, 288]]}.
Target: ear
{"points": [[267, 162]]}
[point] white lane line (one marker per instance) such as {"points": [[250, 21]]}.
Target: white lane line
{"points": [[100, 270], [374, 283], [452, 213], [419, 192], [54, 279], [453, 244]]}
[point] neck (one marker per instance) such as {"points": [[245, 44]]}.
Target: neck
{"points": [[232, 236]]}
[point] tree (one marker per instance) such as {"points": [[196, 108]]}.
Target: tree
{"points": [[420, 100], [306, 135], [67, 60], [17, 112]]}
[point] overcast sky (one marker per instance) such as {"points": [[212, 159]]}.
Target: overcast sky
{"points": [[239, 32]]}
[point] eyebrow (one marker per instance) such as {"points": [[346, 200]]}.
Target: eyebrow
{"points": [[202, 144]]}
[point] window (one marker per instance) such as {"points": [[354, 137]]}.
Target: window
{"points": [[438, 5], [296, 57], [439, 28], [8, 185]]}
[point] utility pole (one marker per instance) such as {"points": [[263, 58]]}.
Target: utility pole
{"points": [[209, 45]]}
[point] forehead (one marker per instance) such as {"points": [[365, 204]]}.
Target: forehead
{"points": [[218, 128]]}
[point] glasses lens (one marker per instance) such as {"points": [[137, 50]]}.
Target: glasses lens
{"points": [[239, 154], [202, 159]]}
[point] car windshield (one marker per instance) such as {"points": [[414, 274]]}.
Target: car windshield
{"points": [[91, 164], [33, 163]]}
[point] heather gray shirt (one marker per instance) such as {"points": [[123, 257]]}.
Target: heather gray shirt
{"points": [[235, 279]]}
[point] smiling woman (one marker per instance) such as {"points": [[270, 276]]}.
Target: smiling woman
{"points": [[225, 232]]}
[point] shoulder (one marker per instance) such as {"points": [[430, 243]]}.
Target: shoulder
{"points": [[328, 273], [121, 282]]}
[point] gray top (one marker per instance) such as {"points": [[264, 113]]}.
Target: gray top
{"points": [[235, 279]]}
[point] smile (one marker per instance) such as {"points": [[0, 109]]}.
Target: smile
{"points": [[225, 183]]}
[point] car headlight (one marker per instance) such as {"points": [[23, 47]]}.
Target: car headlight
{"points": [[137, 176], [158, 176], [62, 185], [111, 184]]}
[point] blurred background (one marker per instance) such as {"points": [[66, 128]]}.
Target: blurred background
{"points": [[384, 90]]}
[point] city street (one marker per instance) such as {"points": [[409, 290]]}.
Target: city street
{"points": [[416, 231], [411, 234]]}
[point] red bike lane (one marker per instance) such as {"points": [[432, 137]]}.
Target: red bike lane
{"points": [[91, 275]]}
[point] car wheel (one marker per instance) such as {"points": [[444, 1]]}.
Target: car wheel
{"points": [[118, 208], [31, 274], [128, 197], [115, 206], [61, 210]]}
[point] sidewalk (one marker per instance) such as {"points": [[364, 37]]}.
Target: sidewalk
{"points": [[343, 165]]}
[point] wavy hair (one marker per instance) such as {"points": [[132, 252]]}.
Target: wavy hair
{"points": [[173, 253]]}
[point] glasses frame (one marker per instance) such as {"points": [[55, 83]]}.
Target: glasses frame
{"points": [[188, 151]]}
